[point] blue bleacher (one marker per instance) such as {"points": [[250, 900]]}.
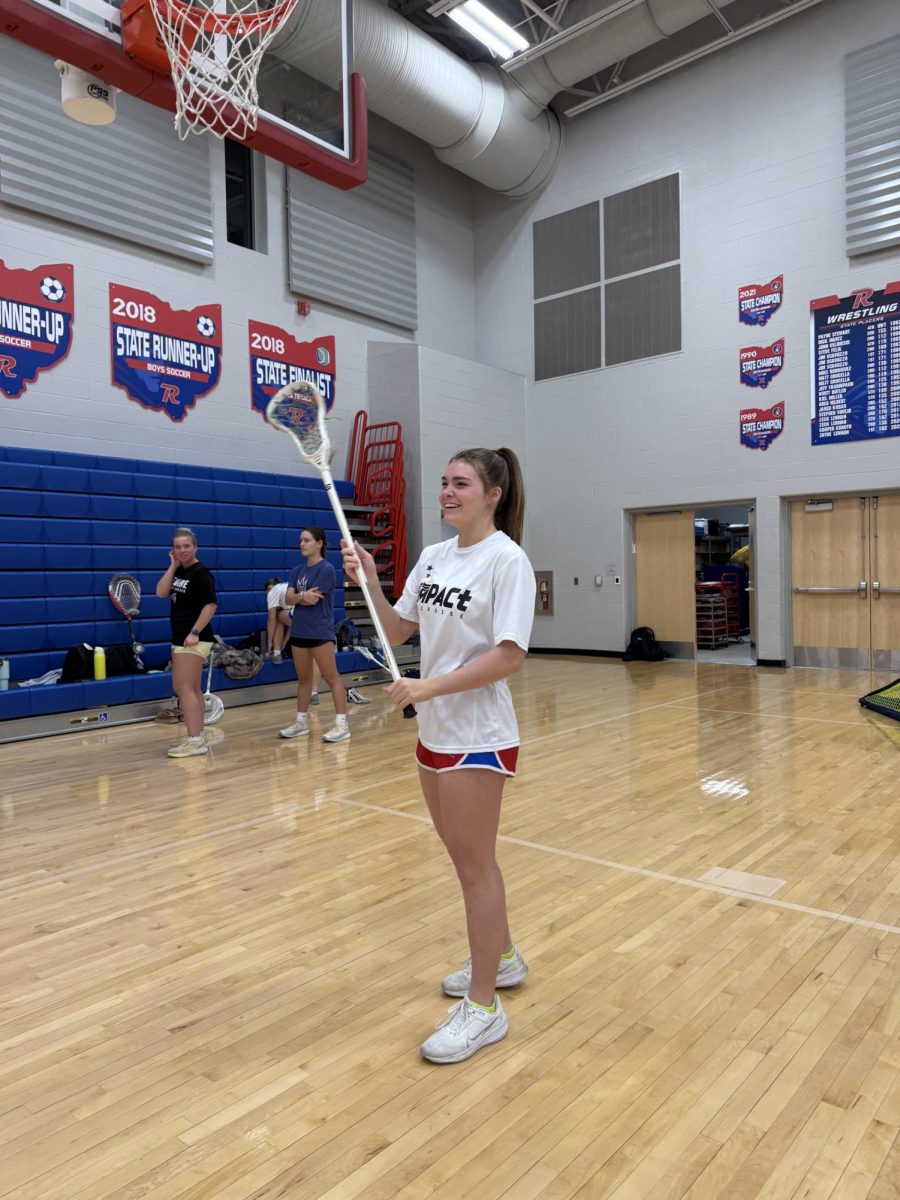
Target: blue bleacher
{"points": [[69, 521]]}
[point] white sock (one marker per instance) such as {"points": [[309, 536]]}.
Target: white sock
{"points": [[301, 716], [340, 718]]}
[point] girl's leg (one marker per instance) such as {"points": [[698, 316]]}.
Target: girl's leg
{"points": [[187, 671], [272, 631], [303, 662], [282, 631], [325, 660], [469, 817]]}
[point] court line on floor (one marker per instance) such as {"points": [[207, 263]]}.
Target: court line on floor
{"points": [[646, 873], [741, 712], [267, 818]]}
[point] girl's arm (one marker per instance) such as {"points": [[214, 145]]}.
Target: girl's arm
{"points": [[207, 612], [501, 662], [164, 585], [397, 629]]}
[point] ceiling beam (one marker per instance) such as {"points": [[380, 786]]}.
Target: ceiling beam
{"points": [[685, 59]]}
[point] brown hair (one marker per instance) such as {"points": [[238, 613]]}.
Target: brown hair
{"points": [[500, 468], [185, 532], [318, 534]]}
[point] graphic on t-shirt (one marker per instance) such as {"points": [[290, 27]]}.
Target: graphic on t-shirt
{"points": [[435, 598]]}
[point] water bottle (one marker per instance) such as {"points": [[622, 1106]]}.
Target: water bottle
{"points": [[4, 674], [99, 662]]}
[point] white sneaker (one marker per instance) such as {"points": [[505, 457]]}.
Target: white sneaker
{"points": [[356, 697], [339, 732], [510, 972], [464, 1031], [188, 747], [298, 729]]}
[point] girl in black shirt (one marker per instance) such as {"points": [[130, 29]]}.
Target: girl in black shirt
{"points": [[192, 590]]}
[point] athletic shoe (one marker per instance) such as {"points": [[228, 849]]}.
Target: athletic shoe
{"points": [[510, 972], [298, 729], [339, 732], [188, 748], [276, 656], [169, 716], [464, 1031], [356, 697], [314, 698]]}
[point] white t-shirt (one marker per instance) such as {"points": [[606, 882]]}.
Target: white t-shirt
{"points": [[466, 601], [275, 596]]}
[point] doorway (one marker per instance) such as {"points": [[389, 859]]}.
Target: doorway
{"points": [[723, 568], [845, 582]]}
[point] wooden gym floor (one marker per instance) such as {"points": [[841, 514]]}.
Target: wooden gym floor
{"points": [[216, 973]]}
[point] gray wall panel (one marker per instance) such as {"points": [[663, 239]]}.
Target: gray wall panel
{"points": [[133, 179], [643, 316], [641, 227], [872, 139], [568, 334], [567, 250], [357, 249]]}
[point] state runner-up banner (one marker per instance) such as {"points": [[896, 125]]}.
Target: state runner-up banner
{"points": [[761, 426], [164, 358], [37, 308], [759, 302], [760, 364], [277, 359]]}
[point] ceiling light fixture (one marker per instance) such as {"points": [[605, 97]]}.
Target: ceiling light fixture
{"points": [[476, 19]]}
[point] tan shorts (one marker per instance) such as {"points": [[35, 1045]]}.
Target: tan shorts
{"points": [[201, 650]]}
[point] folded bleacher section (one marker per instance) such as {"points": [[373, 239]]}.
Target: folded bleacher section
{"points": [[68, 522]]}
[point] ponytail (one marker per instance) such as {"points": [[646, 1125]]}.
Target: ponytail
{"points": [[500, 468]]}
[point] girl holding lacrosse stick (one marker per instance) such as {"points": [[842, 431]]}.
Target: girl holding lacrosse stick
{"points": [[472, 598], [192, 590], [310, 591]]}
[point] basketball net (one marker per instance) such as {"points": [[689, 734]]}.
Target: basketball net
{"points": [[214, 59]]}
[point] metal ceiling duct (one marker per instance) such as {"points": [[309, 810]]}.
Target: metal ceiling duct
{"points": [[493, 127]]}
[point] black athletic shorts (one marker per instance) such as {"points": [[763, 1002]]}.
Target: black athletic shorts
{"points": [[310, 643]]}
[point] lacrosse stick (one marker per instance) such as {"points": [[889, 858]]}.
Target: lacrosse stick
{"points": [[299, 410]]}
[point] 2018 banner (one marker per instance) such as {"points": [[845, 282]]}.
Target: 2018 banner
{"points": [[165, 359], [277, 359], [759, 302], [760, 364], [761, 426], [37, 308]]}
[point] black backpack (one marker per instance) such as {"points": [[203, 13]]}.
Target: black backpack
{"points": [[643, 646], [122, 660], [347, 634], [78, 664]]}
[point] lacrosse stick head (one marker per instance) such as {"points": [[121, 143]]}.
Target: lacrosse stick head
{"points": [[299, 409], [125, 593]]}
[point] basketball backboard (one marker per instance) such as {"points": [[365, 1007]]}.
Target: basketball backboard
{"points": [[312, 110]]}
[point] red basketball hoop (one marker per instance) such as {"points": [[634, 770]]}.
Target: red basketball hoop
{"points": [[213, 57]]}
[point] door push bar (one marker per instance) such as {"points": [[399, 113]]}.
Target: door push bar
{"points": [[861, 589]]}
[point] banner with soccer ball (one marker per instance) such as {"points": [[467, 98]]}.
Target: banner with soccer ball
{"points": [[164, 358], [37, 309]]}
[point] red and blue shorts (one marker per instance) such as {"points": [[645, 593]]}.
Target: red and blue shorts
{"points": [[501, 761]]}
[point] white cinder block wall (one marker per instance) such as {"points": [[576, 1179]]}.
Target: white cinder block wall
{"points": [[757, 134], [445, 403], [75, 406]]}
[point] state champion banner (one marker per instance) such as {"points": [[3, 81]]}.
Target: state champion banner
{"points": [[760, 364], [761, 426], [277, 359], [37, 308], [164, 358], [759, 302]]}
